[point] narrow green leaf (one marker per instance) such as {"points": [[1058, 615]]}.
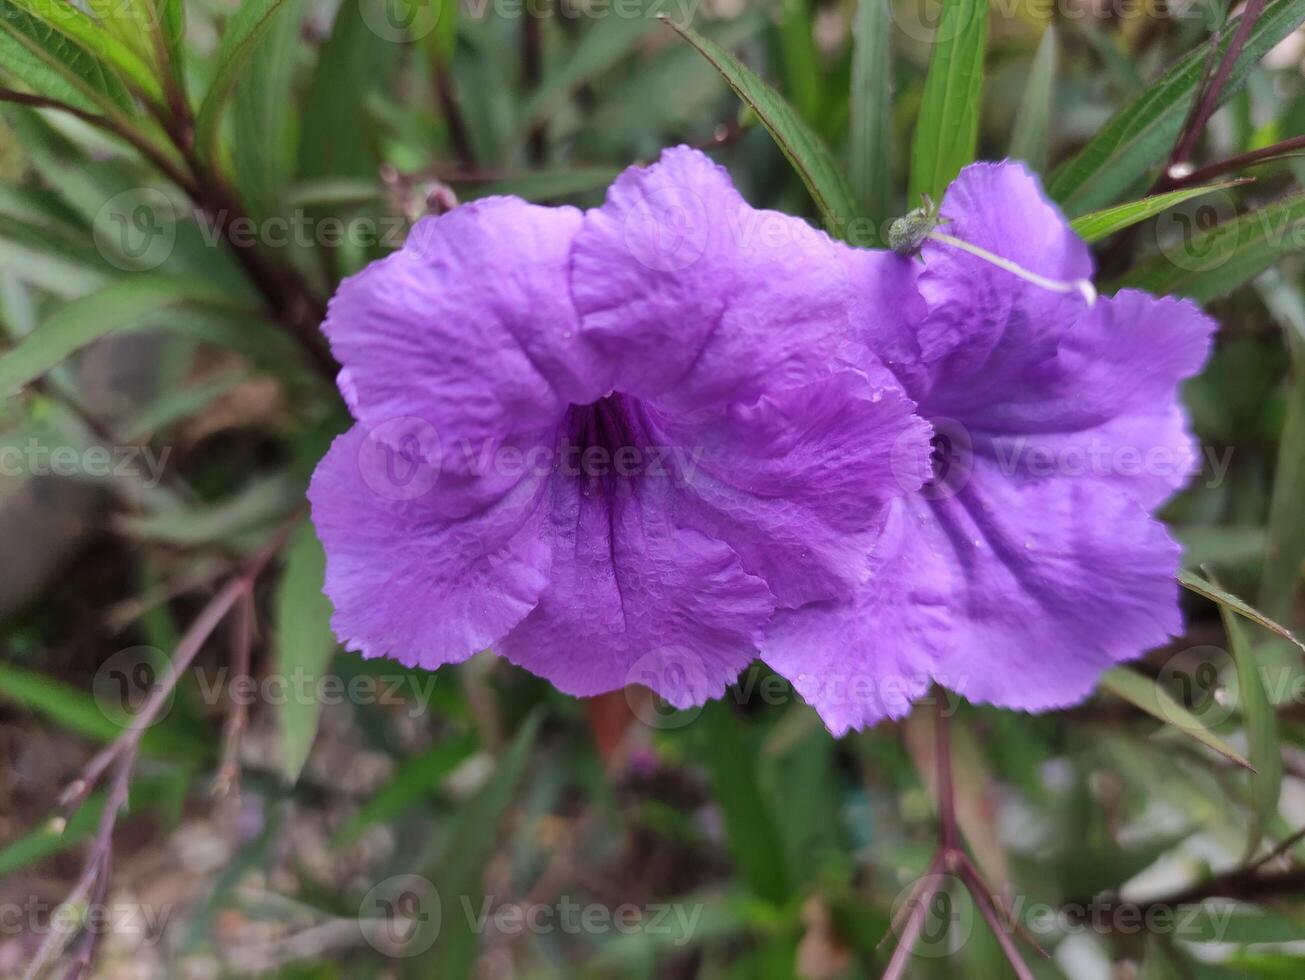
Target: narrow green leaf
{"points": [[56, 66], [546, 185], [1102, 224], [305, 644], [1212, 263], [1227, 600], [803, 148], [66, 19], [414, 780], [76, 324], [947, 129], [753, 838], [872, 107], [239, 39], [1284, 551], [1030, 140], [262, 148], [461, 868], [1261, 730], [79, 712], [1143, 692], [354, 60], [797, 46], [1143, 132]]}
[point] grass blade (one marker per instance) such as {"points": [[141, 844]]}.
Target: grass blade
{"points": [[1030, 140], [803, 148], [1226, 600], [947, 131], [872, 107]]}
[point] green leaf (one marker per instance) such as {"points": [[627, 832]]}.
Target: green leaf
{"points": [[239, 39], [78, 711], [1212, 263], [1227, 600], [1284, 552], [797, 46], [240, 520], [460, 870], [353, 60], [947, 129], [1030, 140], [56, 66], [305, 643], [262, 147], [751, 833], [74, 325], [63, 18], [1143, 692], [546, 185], [803, 148], [872, 107], [1261, 730], [1143, 132], [415, 780], [1102, 224]]}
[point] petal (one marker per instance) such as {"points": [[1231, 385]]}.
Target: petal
{"points": [[635, 599], [986, 325], [703, 298], [409, 586], [468, 327], [1018, 595], [795, 483], [1110, 409]]}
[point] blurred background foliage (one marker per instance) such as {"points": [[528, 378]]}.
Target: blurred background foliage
{"points": [[363, 834]]}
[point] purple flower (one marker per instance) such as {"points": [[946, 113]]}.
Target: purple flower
{"points": [[610, 444], [1030, 562]]}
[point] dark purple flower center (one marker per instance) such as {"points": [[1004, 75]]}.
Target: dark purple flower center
{"points": [[605, 439]]}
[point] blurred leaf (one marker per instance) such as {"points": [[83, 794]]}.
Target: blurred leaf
{"points": [[803, 148], [240, 37], [56, 66], [1211, 263], [1138, 136], [1285, 538], [801, 60], [172, 25], [872, 107], [80, 712], [1143, 692], [1102, 224], [414, 781], [237, 521], [305, 643], [69, 22], [48, 840], [354, 59], [461, 869], [1261, 731], [550, 185], [262, 110], [751, 833], [602, 46], [1030, 140], [81, 321], [947, 128]]}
